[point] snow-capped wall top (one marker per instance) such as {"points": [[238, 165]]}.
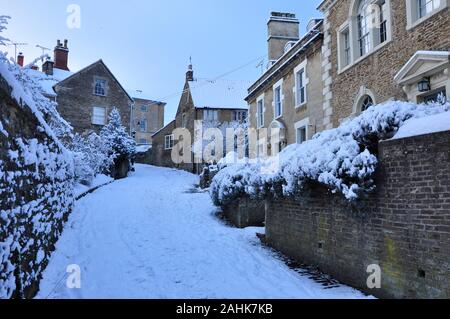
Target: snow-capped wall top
{"points": [[219, 94], [426, 125]]}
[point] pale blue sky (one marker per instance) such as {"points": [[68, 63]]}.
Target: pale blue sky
{"points": [[147, 44]]}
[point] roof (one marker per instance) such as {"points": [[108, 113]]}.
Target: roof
{"points": [[143, 95], [219, 94], [162, 128], [47, 82], [107, 69]]}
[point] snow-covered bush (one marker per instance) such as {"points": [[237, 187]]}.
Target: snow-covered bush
{"points": [[343, 159], [36, 179], [119, 143], [91, 157]]}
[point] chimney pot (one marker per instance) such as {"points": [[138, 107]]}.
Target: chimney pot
{"points": [[65, 43], [282, 28], [20, 59]]}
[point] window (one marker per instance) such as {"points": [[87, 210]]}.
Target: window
{"points": [[210, 115], [346, 47], [277, 102], [143, 125], [169, 142], [300, 80], [425, 7], [260, 113], [143, 141], [100, 87], [144, 108], [239, 116], [366, 102], [98, 115], [439, 95], [183, 120], [363, 28], [383, 22], [301, 135]]}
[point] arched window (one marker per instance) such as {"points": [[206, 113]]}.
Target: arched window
{"points": [[363, 17], [366, 102]]}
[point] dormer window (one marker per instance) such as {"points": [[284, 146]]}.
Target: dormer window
{"points": [[100, 87]]}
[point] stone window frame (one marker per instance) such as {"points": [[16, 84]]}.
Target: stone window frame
{"points": [[105, 88], [144, 108], [169, 141], [303, 124], [239, 115], [93, 118], [207, 118], [299, 68], [362, 94], [352, 24], [260, 114], [412, 15], [143, 126], [276, 86]]}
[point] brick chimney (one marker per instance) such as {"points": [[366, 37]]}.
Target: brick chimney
{"points": [[47, 67], [20, 59], [61, 55], [190, 73], [282, 28]]}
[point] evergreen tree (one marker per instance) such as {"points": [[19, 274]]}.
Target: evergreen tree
{"points": [[116, 138]]}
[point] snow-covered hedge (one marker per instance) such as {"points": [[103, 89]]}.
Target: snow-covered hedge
{"points": [[343, 159], [36, 179]]}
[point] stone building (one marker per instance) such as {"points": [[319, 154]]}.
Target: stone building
{"points": [[213, 101], [288, 95], [85, 98], [148, 117], [378, 50]]}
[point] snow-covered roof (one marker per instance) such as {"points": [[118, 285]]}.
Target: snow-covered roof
{"points": [[219, 94], [47, 82], [425, 125], [143, 148], [142, 95]]}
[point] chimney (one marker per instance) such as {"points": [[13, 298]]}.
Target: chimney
{"points": [[190, 73], [20, 59], [282, 28], [35, 67], [47, 67], [61, 55]]}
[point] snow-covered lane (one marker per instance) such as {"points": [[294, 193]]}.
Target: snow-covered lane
{"points": [[148, 236]]}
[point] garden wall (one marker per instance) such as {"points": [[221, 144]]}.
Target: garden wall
{"points": [[36, 195], [245, 213], [404, 227]]}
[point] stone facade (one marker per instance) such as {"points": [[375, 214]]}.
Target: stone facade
{"points": [[76, 98], [162, 156], [304, 54], [404, 227], [373, 74], [187, 114], [148, 118]]}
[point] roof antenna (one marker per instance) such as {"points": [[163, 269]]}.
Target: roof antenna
{"points": [[16, 45], [43, 51]]}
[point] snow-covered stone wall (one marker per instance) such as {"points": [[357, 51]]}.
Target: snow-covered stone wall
{"points": [[36, 189], [403, 226]]}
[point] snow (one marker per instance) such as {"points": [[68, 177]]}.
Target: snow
{"points": [[98, 181], [47, 82], [143, 148], [427, 125], [219, 94], [149, 236], [143, 95], [342, 159]]}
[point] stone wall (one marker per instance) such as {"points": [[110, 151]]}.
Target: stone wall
{"points": [[36, 196], [376, 72], [404, 227], [153, 113], [245, 213], [161, 156]]}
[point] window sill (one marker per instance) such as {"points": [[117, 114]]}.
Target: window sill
{"points": [[301, 106], [411, 26], [362, 58], [99, 95], [278, 117]]}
